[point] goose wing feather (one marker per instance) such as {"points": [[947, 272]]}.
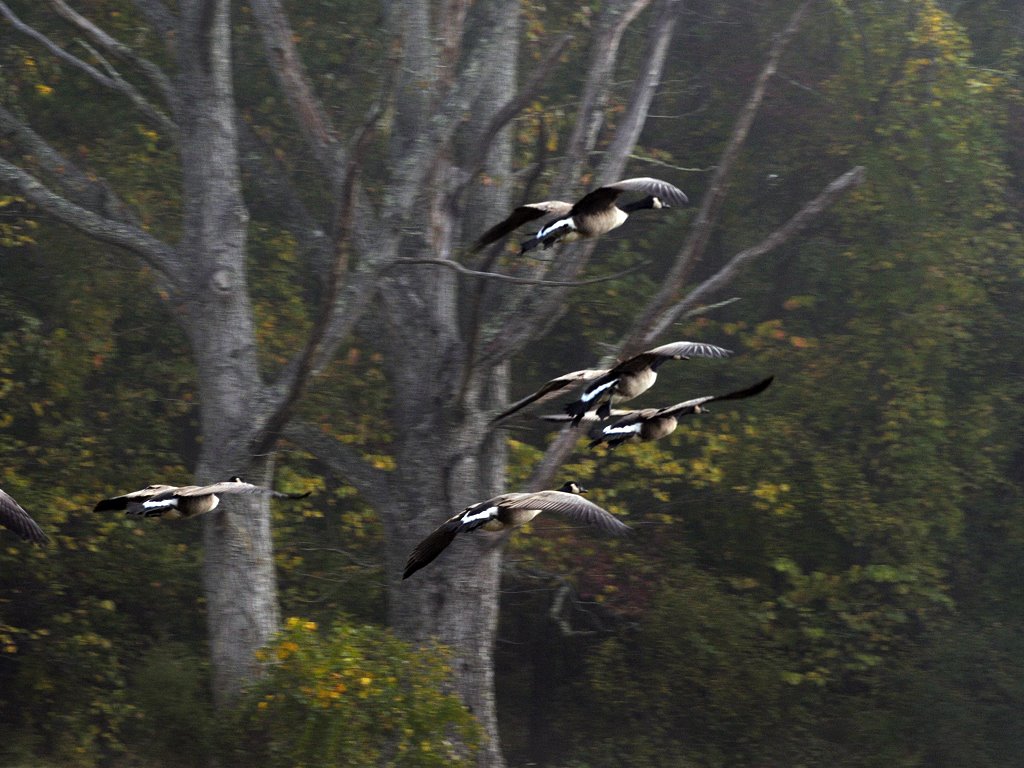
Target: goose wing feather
{"points": [[667, 193], [676, 350], [432, 546], [247, 489], [551, 388], [118, 503], [520, 216], [13, 516], [570, 505], [689, 406]]}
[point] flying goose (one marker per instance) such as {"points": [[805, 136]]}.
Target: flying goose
{"points": [[656, 423], [510, 510], [186, 500], [624, 381], [594, 214], [13, 516]]}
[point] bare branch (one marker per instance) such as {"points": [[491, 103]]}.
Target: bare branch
{"points": [[372, 483], [796, 224], [288, 69], [708, 215], [296, 376], [154, 252], [115, 47], [532, 312], [628, 131], [454, 265], [115, 82], [604, 54], [76, 185], [557, 452], [511, 108]]}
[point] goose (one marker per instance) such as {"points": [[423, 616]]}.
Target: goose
{"points": [[594, 214], [624, 381], [635, 376], [186, 500], [656, 423], [510, 510], [13, 516]]}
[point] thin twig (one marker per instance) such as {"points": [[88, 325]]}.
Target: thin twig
{"points": [[454, 265]]}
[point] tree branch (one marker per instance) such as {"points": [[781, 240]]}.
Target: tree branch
{"points": [[115, 47], [711, 206], [796, 224], [113, 81], [646, 85], [162, 257], [510, 109], [293, 81], [293, 381], [533, 311], [604, 54], [343, 461], [76, 185], [456, 266]]}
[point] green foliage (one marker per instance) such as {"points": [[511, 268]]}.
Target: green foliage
{"points": [[354, 695], [173, 721]]}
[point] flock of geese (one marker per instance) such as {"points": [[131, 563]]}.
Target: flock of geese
{"points": [[595, 214]]}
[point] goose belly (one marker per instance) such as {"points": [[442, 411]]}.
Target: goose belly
{"points": [[513, 518], [190, 506], [633, 384], [655, 429], [594, 224]]}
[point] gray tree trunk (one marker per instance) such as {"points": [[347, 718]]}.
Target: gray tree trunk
{"points": [[238, 575]]}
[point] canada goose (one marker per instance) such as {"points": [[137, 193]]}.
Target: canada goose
{"points": [[656, 423], [186, 500], [624, 381], [13, 516], [594, 214], [510, 510]]}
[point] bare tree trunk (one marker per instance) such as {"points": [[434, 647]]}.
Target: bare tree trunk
{"points": [[446, 458], [238, 572]]}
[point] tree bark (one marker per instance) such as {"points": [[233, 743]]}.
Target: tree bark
{"points": [[238, 571]]}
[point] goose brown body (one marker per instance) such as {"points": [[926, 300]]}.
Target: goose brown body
{"points": [[185, 500], [656, 423]]}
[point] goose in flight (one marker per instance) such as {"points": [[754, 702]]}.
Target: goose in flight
{"points": [[186, 500], [594, 214], [13, 516], [624, 381], [656, 423], [510, 510]]}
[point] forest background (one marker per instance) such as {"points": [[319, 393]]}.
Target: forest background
{"points": [[825, 575]]}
